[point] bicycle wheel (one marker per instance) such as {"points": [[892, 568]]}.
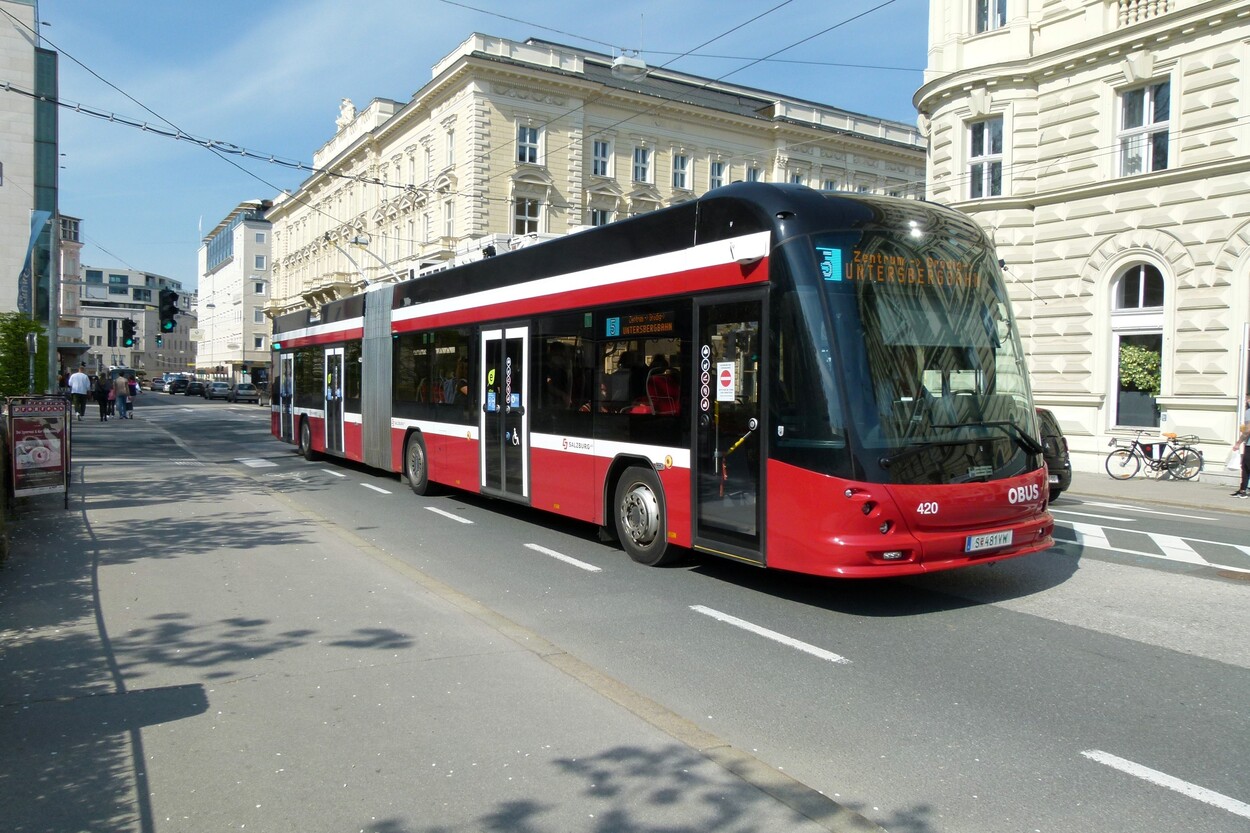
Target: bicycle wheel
{"points": [[1184, 463], [1123, 464]]}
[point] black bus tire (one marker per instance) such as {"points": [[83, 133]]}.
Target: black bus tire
{"points": [[417, 465], [305, 442], [639, 518]]}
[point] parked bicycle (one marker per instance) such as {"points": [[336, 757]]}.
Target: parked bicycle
{"points": [[1176, 456]]}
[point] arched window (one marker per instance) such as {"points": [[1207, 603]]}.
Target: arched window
{"points": [[1137, 342]]}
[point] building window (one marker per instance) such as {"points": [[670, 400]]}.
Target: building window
{"points": [[715, 175], [1138, 297], [829, 185], [260, 262], [601, 161], [258, 316], [1144, 114], [681, 171], [260, 237], [258, 343], [451, 149], [796, 179], [753, 174], [258, 288], [985, 159], [642, 164], [449, 219], [95, 276], [600, 216], [527, 144], [991, 14], [525, 216]]}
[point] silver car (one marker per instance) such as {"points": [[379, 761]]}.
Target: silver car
{"points": [[217, 390], [244, 392]]}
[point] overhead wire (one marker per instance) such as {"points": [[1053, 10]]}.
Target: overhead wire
{"points": [[224, 150]]}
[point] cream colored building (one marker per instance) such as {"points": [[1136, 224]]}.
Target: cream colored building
{"points": [[1105, 144], [234, 260], [513, 141]]}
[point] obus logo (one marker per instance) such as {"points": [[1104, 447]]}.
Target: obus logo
{"points": [[1023, 494]]}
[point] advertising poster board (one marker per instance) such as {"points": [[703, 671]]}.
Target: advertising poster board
{"points": [[39, 445]]}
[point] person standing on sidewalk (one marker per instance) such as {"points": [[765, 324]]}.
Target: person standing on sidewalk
{"points": [[101, 392], [1243, 441], [79, 387], [121, 393]]}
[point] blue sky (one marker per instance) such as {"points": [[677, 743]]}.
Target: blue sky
{"points": [[269, 76]]}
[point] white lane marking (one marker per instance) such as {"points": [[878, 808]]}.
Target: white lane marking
{"points": [[255, 462], [1123, 508], [333, 472], [591, 568], [1174, 548], [1089, 535], [1177, 549], [773, 635], [1095, 537], [447, 514], [1162, 779], [1054, 511], [375, 488]]}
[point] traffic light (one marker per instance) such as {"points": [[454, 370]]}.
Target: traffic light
{"points": [[160, 340], [169, 309], [128, 333]]}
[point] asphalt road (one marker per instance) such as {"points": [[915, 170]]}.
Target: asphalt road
{"points": [[1103, 685]]}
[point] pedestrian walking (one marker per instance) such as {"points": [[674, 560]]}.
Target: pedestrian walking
{"points": [[1243, 442], [79, 387], [101, 392], [121, 394]]}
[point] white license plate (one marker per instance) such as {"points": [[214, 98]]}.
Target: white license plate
{"points": [[988, 541]]}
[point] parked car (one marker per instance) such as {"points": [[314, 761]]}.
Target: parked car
{"points": [[194, 388], [158, 384], [177, 386], [244, 392], [1055, 444], [217, 390]]}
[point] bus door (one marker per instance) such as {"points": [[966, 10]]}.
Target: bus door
{"points": [[504, 390], [334, 399], [728, 464], [286, 397]]}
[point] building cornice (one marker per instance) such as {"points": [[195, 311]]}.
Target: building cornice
{"points": [[1120, 185]]}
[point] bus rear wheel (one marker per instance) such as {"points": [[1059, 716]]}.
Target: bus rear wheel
{"points": [[305, 442], [416, 466], [638, 516]]}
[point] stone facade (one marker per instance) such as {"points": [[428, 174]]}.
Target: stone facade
{"points": [[510, 142], [1117, 195]]}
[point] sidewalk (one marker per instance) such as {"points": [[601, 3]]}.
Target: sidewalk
{"points": [[183, 650], [1207, 491]]}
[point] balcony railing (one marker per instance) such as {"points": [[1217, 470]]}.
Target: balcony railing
{"points": [[1137, 11]]}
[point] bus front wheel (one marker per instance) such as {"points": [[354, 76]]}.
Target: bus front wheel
{"points": [[639, 517], [416, 466]]}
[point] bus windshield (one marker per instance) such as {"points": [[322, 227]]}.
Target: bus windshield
{"points": [[936, 386]]}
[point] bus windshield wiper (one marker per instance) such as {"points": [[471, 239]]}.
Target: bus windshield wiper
{"points": [[1010, 428], [916, 448]]}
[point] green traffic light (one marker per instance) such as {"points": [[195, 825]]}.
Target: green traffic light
{"points": [[167, 326]]}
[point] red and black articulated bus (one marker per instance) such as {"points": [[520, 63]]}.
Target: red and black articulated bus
{"points": [[821, 382]]}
